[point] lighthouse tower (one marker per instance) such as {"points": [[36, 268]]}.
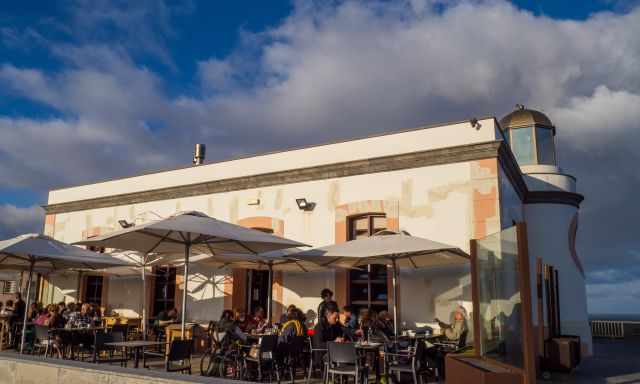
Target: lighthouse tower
{"points": [[551, 211]]}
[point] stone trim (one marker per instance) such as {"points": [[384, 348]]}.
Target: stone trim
{"points": [[438, 156], [554, 197]]}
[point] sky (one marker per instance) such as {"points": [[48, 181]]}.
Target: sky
{"points": [[91, 90]]}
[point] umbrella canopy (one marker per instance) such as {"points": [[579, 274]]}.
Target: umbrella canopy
{"points": [[184, 231], [211, 236], [31, 251], [387, 248], [269, 261], [42, 252]]}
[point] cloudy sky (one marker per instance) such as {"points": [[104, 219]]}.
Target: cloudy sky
{"points": [[92, 90]]}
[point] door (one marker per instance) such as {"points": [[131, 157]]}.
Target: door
{"points": [[164, 293]]}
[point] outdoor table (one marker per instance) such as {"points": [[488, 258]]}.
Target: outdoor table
{"points": [[73, 334], [374, 350], [137, 346]]}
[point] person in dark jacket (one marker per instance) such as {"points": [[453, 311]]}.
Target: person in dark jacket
{"points": [[327, 298], [328, 328]]}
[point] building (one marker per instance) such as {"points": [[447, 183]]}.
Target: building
{"points": [[449, 182]]}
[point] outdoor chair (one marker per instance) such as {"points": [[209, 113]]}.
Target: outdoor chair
{"points": [[42, 340], [179, 357], [316, 358], [412, 361], [103, 353], [122, 329], [343, 361], [263, 356], [292, 354], [435, 355]]}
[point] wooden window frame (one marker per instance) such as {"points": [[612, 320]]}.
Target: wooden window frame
{"points": [[371, 216]]}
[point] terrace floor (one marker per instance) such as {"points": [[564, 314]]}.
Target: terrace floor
{"points": [[614, 362]]}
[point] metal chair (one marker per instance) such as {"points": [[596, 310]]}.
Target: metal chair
{"points": [[264, 357], [412, 362], [292, 353], [179, 357], [42, 339], [343, 361], [316, 354]]}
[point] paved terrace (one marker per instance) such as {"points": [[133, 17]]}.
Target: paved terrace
{"points": [[614, 362]]}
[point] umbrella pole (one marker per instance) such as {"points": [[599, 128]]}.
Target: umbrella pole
{"points": [[26, 308], [395, 297], [144, 304], [78, 286], [187, 251], [270, 294]]}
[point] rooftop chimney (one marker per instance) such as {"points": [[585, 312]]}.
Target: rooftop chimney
{"points": [[198, 154]]}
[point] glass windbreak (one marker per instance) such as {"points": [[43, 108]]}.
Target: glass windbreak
{"points": [[522, 145], [499, 297], [546, 150]]}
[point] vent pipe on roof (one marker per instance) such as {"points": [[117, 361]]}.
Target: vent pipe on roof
{"points": [[198, 154]]}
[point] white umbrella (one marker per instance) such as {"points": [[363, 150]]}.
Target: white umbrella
{"points": [[182, 231], [270, 261], [386, 247], [39, 252]]}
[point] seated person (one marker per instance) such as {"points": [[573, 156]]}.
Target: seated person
{"points": [[8, 308], [167, 317], [328, 328], [257, 323], [230, 327], [42, 318], [384, 325], [452, 332], [284, 317], [349, 324], [291, 328]]}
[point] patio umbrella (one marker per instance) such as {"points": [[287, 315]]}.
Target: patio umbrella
{"points": [[39, 252], [386, 248], [182, 231], [270, 261]]}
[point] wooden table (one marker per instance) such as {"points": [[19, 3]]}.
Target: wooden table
{"points": [[137, 346]]}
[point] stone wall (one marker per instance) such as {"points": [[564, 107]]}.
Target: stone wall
{"points": [[34, 370]]}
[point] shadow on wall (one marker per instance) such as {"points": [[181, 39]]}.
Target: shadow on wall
{"points": [[206, 296]]}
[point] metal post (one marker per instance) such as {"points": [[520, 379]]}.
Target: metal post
{"points": [[187, 251], [144, 303], [78, 287], [270, 295], [26, 308], [395, 296]]}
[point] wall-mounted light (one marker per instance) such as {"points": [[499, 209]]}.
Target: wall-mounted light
{"points": [[253, 202], [305, 205], [475, 123], [125, 224]]}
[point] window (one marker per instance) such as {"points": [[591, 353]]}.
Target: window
{"points": [[8, 286], [522, 145], [164, 295], [368, 287], [93, 291], [546, 150]]}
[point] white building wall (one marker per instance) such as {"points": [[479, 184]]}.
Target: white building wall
{"points": [[549, 227], [433, 202]]}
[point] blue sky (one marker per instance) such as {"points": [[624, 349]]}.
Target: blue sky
{"points": [[93, 89]]}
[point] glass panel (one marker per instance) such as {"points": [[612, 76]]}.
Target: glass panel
{"points": [[522, 145], [379, 224], [546, 150], [499, 297]]}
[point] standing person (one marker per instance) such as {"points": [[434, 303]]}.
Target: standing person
{"points": [[19, 307], [327, 298]]}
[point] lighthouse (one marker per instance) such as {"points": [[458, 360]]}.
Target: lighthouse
{"points": [[551, 211]]}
